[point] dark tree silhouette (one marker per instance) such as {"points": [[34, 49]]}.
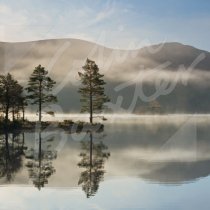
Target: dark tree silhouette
{"points": [[23, 105], [11, 155], [40, 166], [93, 159], [92, 90], [10, 95], [39, 89]]}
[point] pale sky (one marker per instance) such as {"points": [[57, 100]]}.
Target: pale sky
{"points": [[121, 24]]}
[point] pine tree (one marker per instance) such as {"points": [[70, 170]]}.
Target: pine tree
{"points": [[93, 158], [23, 105], [39, 89], [16, 100], [10, 92], [92, 93]]}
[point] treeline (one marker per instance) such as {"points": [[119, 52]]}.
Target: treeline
{"points": [[14, 98]]}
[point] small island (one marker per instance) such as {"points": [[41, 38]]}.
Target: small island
{"points": [[14, 100]]}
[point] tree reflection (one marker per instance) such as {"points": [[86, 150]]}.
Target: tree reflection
{"points": [[93, 159], [40, 166], [11, 155]]}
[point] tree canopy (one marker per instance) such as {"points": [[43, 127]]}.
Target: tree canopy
{"points": [[39, 88], [11, 95], [92, 92]]}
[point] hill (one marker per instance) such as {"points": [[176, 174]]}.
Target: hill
{"points": [[161, 71]]}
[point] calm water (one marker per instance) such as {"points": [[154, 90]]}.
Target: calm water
{"points": [[136, 163]]}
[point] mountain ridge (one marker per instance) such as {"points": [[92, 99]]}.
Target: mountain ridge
{"points": [[103, 45], [65, 57]]}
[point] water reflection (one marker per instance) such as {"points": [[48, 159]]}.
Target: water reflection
{"points": [[165, 153], [93, 157], [11, 155], [177, 154], [40, 166]]}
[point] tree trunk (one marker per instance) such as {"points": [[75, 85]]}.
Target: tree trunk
{"points": [[13, 114], [7, 110], [40, 105], [91, 101], [7, 116], [40, 158], [40, 112], [91, 149], [40, 148], [91, 159], [7, 146], [23, 114], [91, 108], [23, 140]]}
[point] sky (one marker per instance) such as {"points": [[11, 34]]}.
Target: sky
{"points": [[121, 24]]}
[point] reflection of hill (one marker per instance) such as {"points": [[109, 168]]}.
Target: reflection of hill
{"points": [[157, 151], [177, 172], [161, 152]]}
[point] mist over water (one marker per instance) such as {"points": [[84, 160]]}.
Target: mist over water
{"points": [[124, 117], [168, 153]]}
